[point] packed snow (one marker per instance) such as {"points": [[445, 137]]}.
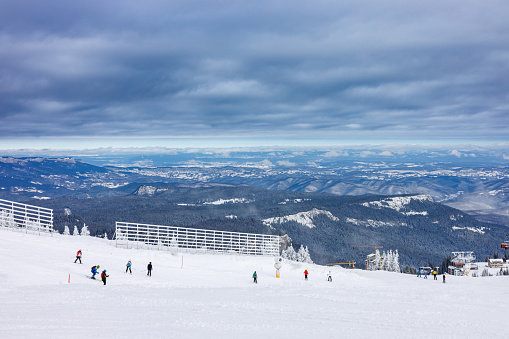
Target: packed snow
{"points": [[44, 294]]}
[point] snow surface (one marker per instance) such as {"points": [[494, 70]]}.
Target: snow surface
{"points": [[212, 296]]}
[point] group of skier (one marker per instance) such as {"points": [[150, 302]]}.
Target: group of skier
{"points": [[306, 273], [95, 269], [426, 275]]}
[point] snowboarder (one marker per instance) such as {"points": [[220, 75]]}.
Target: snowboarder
{"points": [[255, 277], [104, 276], [149, 269], [419, 273], [128, 267], [435, 275], [443, 278], [306, 274], [78, 256], [94, 271], [329, 277]]}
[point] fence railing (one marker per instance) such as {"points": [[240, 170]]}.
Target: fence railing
{"points": [[132, 235], [24, 217]]}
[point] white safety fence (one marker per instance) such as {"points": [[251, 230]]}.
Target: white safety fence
{"points": [[132, 235], [17, 216]]}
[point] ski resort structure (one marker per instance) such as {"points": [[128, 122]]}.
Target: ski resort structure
{"points": [[25, 217], [132, 235]]}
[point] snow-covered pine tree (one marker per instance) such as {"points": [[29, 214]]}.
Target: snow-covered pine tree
{"points": [[105, 235], [377, 259], [84, 231], [384, 261], [300, 254], [396, 262], [289, 253], [390, 261], [306, 257], [75, 231], [66, 230]]}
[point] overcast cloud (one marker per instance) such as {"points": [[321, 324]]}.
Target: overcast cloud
{"points": [[337, 70]]}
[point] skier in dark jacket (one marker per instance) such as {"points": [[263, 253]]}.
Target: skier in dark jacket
{"points": [[104, 276], [149, 269], [255, 277], [78, 256]]}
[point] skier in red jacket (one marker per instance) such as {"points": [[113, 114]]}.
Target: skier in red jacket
{"points": [[306, 274], [78, 256]]}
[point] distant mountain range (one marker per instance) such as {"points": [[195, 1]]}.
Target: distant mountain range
{"points": [[225, 198], [481, 189]]}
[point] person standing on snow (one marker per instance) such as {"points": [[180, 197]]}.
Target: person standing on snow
{"points": [[149, 269], [255, 277], [94, 271], [419, 273], [128, 267], [104, 276], [306, 274], [443, 278], [78, 256], [329, 277], [435, 275], [425, 275]]}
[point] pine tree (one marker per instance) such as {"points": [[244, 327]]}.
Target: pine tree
{"points": [[384, 261], [377, 259], [66, 230], [289, 253], [396, 262], [390, 261], [105, 235], [304, 255], [84, 231], [75, 231]]}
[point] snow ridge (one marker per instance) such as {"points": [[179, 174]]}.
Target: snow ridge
{"points": [[399, 203], [303, 218]]}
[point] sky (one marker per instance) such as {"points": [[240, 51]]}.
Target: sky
{"points": [[78, 74]]}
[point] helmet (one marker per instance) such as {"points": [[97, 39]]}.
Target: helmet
{"points": [[104, 271]]}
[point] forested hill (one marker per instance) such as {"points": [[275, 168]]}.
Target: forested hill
{"points": [[418, 227]]}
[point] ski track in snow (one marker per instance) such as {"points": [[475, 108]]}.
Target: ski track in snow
{"points": [[213, 296]]}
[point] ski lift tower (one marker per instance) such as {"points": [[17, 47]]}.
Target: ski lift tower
{"points": [[462, 258]]}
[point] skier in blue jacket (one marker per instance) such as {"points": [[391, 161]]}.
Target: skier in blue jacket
{"points": [[94, 271]]}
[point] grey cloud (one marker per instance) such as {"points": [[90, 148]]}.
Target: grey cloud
{"points": [[362, 70]]}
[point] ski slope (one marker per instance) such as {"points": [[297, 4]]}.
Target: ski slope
{"points": [[212, 296]]}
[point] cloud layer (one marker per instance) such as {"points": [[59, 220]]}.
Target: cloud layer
{"points": [[349, 70]]}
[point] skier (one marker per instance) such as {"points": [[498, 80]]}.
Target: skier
{"points": [[329, 277], [94, 271], [128, 267], [435, 275], [419, 273], [306, 274], [443, 278], [104, 276], [78, 256], [149, 269], [425, 275], [255, 277]]}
